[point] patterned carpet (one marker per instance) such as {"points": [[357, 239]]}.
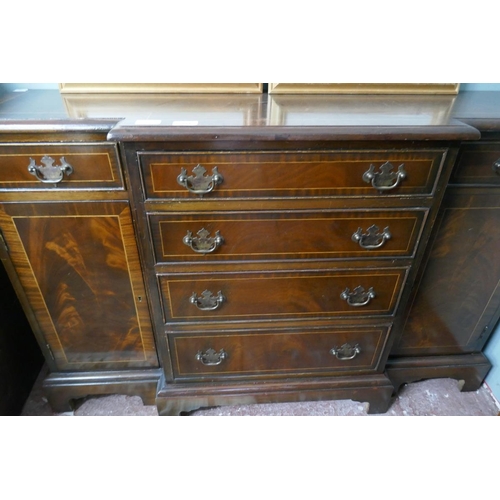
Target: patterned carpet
{"points": [[440, 397]]}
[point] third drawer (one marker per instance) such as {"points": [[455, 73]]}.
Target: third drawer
{"points": [[281, 295]]}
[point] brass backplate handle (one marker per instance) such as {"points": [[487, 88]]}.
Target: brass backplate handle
{"points": [[49, 173], [358, 297], [199, 183], [346, 352], [207, 301], [211, 357], [203, 243], [372, 239], [385, 179], [496, 167]]}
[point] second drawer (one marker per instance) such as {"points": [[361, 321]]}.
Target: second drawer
{"points": [[299, 294], [269, 235]]}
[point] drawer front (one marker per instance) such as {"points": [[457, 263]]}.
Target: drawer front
{"points": [[202, 238], [282, 295], [328, 351], [290, 174], [62, 166], [478, 164]]}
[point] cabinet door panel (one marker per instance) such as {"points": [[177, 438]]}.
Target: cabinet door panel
{"points": [[460, 290], [79, 268]]}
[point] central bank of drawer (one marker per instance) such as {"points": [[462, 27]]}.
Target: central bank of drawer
{"points": [[91, 166], [327, 351], [299, 294], [285, 236], [288, 174]]}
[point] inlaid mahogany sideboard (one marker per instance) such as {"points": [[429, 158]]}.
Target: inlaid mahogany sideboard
{"points": [[206, 250]]}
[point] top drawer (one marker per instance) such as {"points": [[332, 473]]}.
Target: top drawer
{"points": [[62, 166], [290, 174], [478, 164]]}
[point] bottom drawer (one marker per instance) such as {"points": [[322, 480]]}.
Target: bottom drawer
{"points": [[327, 351]]}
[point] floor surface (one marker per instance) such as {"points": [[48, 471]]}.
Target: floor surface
{"points": [[439, 397]]}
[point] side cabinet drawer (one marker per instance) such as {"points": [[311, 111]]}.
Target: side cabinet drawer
{"points": [[300, 294], [290, 174], [328, 351], [63, 166]]}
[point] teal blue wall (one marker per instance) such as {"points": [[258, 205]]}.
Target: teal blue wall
{"points": [[480, 86], [13, 86], [492, 352]]}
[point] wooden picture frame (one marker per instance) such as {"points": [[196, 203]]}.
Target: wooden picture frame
{"points": [[160, 88], [363, 88]]}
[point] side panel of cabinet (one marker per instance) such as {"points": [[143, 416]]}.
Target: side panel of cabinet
{"points": [[79, 269], [458, 296]]}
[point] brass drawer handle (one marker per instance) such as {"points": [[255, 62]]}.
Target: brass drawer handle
{"points": [[358, 297], [211, 357], [50, 173], [372, 238], [203, 243], [199, 183], [496, 167], [346, 352], [207, 301], [385, 179]]}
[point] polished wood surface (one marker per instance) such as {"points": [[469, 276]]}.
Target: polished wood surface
{"points": [[460, 290], [478, 164], [288, 174], [83, 282], [456, 304], [286, 354], [277, 235], [95, 166], [283, 188], [284, 295]]}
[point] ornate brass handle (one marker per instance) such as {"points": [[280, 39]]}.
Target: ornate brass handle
{"points": [[207, 301], [346, 352], [372, 238], [496, 167], [203, 243], [49, 173], [385, 179], [199, 183], [211, 357], [358, 297]]}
